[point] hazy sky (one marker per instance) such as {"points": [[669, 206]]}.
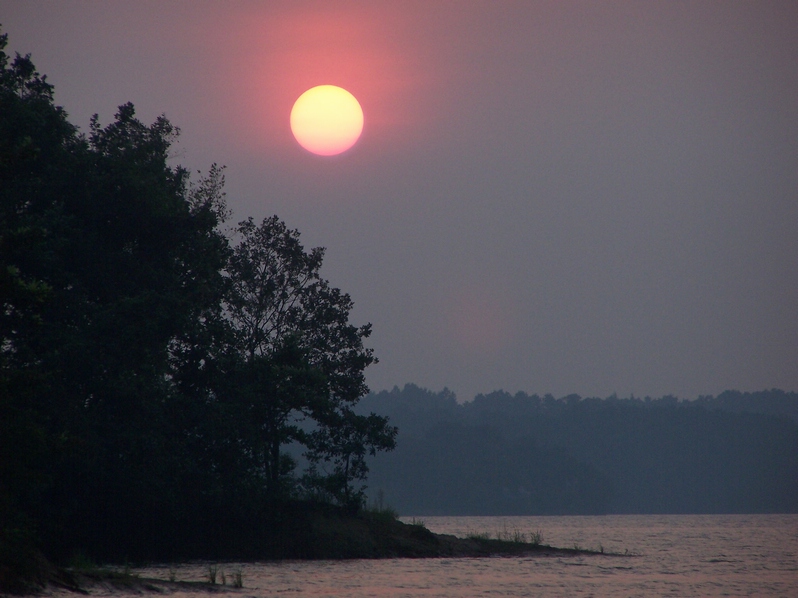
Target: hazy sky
{"points": [[554, 197]]}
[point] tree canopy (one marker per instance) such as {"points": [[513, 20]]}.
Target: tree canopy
{"points": [[153, 370], [520, 454]]}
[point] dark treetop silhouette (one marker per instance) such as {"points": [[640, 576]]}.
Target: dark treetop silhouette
{"points": [[151, 370]]}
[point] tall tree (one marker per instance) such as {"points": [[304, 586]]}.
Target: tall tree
{"points": [[279, 307], [151, 376], [107, 253], [37, 147]]}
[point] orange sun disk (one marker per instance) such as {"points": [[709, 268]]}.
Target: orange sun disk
{"points": [[326, 120]]}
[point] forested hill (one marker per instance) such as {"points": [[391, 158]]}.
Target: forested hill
{"points": [[518, 454], [769, 402]]}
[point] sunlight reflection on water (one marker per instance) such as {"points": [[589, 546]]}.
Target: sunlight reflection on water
{"points": [[684, 555]]}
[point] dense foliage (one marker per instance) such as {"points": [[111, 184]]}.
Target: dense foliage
{"points": [[503, 454], [152, 371]]}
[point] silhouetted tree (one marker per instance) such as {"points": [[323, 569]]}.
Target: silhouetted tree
{"points": [[107, 254], [151, 376], [296, 364]]}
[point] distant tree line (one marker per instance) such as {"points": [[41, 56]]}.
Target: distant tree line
{"points": [[152, 371], [503, 454]]}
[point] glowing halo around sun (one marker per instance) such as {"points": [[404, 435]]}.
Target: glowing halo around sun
{"points": [[326, 120]]}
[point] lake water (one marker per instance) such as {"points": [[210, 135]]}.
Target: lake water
{"points": [[674, 555]]}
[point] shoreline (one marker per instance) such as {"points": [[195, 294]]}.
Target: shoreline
{"points": [[333, 536], [67, 581]]}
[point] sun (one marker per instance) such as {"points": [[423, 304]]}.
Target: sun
{"points": [[326, 120]]}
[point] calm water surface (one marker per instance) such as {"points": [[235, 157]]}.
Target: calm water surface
{"points": [[680, 555]]}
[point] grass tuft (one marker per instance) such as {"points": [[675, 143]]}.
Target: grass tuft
{"points": [[238, 578], [516, 536], [475, 535], [380, 510]]}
